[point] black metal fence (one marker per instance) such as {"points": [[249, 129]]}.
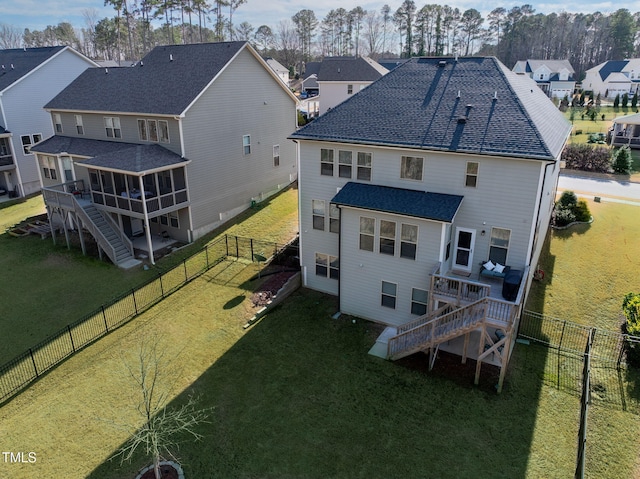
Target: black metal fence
{"points": [[16, 374]]}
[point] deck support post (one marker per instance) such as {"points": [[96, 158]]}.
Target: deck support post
{"points": [[504, 360], [464, 348], [480, 349], [64, 228], [50, 218], [80, 235]]}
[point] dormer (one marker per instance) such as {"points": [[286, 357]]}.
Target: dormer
{"points": [[563, 74], [542, 73]]}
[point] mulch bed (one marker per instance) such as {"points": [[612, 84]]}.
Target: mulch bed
{"points": [[167, 471], [269, 288]]}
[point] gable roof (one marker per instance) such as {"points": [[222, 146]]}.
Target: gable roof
{"points": [[553, 65], [391, 63], [111, 155], [471, 105], [350, 69], [610, 67], [164, 82], [431, 206], [17, 62], [276, 66]]}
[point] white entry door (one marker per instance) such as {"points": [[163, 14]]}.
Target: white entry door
{"points": [[465, 242]]}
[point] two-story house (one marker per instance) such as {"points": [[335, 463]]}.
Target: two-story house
{"points": [[554, 77], [614, 77], [29, 78], [340, 77], [406, 189], [170, 148]]}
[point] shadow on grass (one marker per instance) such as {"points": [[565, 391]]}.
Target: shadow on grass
{"points": [[232, 303], [298, 396]]}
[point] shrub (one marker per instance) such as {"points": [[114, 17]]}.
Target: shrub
{"points": [[587, 158], [616, 101], [622, 161], [581, 211], [563, 217], [625, 100], [631, 326], [569, 209], [568, 199], [634, 100]]}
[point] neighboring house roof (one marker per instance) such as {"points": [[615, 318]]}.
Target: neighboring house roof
{"points": [[610, 67], [552, 65], [350, 69], [311, 68], [165, 82], [431, 206], [633, 119], [111, 155], [276, 66], [470, 105], [17, 62], [391, 63]]}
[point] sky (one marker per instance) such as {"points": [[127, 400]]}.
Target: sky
{"points": [[37, 14]]}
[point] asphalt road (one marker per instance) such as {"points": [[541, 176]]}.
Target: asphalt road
{"points": [[607, 189]]}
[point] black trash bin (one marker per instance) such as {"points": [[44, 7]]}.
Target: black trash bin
{"points": [[510, 284]]}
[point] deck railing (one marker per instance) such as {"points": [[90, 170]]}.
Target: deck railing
{"points": [[438, 329], [462, 291]]}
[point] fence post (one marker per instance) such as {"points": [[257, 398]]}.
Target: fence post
{"points": [[251, 243], [184, 265], [226, 242], [104, 316], [73, 346], [161, 286], [135, 304], [584, 408], [35, 368], [206, 255], [564, 325], [237, 249]]}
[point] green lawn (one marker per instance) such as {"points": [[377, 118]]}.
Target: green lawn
{"points": [[47, 287], [589, 268]]}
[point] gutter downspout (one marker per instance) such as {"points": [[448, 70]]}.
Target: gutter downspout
{"points": [[555, 190], [146, 220]]}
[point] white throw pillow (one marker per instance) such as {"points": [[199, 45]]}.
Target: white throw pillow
{"points": [[499, 268], [489, 266]]}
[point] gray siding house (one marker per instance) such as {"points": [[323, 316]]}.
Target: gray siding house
{"points": [[170, 148], [29, 78], [409, 187]]}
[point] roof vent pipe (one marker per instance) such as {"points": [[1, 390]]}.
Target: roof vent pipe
{"points": [[458, 94], [170, 57], [106, 70], [442, 63], [495, 95]]}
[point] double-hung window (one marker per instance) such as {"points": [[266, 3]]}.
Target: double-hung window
{"points": [[334, 218], [499, 245], [364, 166], [388, 296], [276, 155], [246, 144], [79, 124], [367, 233], [326, 162], [411, 168], [318, 214], [349, 89], [408, 241], [387, 237], [112, 127], [163, 131], [26, 144], [327, 266], [344, 163], [419, 301], [57, 121], [142, 130], [153, 130], [471, 178]]}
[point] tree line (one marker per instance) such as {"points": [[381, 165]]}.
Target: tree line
{"points": [[519, 33]]}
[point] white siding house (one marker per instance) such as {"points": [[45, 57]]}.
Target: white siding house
{"points": [[434, 169], [615, 77], [29, 78], [174, 146], [554, 77]]}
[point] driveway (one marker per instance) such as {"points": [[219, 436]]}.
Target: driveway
{"points": [[607, 189]]}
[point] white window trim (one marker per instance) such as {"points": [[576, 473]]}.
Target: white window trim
{"points": [[421, 173], [246, 145]]}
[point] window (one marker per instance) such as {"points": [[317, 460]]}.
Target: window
{"points": [[419, 301], [112, 127], [411, 168], [318, 214], [246, 144], [327, 266], [387, 237], [66, 166], [408, 241], [326, 162], [388, 299], [276, 155], [541, 76], [57, 121], [344, 164], [349, 89], [79, 124], [472, 174], [142, 130], [37, 138], [364, 166], [499, 245], [334, 218], [26, 144], [163, 131], [367, 231], [49, 167], [152, 125], [173, 219]]}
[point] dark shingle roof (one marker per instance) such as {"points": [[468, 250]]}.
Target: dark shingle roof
{"points": [[612, 66], [391, 63], [350, 69], [164, 82], [431, 206], [446, 104], [2, 130], [114, 155], [17, 62]]}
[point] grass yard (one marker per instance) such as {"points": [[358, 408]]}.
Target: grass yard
{"points": [[589, 268], [47, 287]]}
